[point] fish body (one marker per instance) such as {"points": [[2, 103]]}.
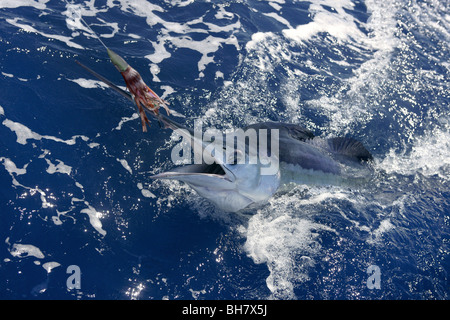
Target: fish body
{"points": [[290, 154]]}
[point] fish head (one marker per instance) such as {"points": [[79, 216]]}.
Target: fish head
{"points": [[231, 177]]}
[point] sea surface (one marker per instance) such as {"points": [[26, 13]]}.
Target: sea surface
{"points": [[81, 219]]}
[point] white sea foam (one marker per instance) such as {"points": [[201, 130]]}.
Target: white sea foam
{"points": [[206, 47], [352, 105], [173, 33], [9, 75], [14, 171], [275, 5], [181, 3], [24, 134], [89, 83], [429, 155], [134, 116], [125, 164], [177, 34], [11, 167], [257, 38], [279, 19], [67, 40], [49, 266], [94, 218], [75, 12], [61, 167], [24, 250], [145, 192], [38, 4], [385, 226], [285, 242], [339, 24]]}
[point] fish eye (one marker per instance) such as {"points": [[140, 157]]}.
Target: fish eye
{"points": [[235, 158]]}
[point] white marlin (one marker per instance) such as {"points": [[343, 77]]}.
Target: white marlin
{"points": [[302, 158]]}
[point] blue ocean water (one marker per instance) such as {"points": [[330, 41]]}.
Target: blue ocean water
{"points": [[75, 164]]}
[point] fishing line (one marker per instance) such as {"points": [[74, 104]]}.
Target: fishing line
{"points": [[78, 15]]}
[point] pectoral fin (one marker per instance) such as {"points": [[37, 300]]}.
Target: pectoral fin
{"points": [[347, 147]]}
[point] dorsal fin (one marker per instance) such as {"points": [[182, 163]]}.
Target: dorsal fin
{"points": [[349, 147], [294, 131], [300, 133]]}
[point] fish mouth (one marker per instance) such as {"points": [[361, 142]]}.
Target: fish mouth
{"points": [[212, 182], [217, 173], [198, 173]]}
